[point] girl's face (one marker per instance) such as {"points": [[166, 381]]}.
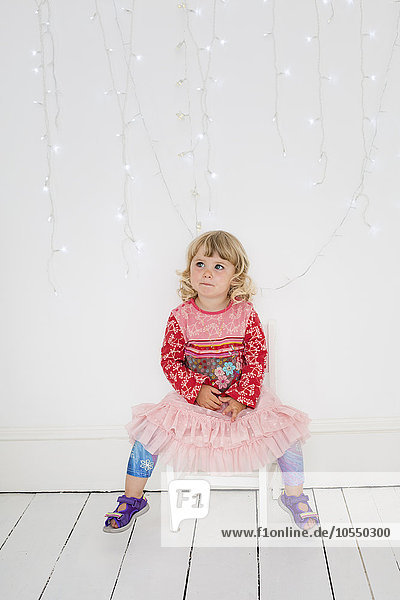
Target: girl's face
{"points": [[210, 276]]}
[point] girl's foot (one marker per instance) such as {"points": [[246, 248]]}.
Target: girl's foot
{"points": [[299, 510], [129, 508]]}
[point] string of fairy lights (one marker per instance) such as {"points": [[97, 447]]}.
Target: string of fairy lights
{"points": [[368, 148], [128, 60], [189, 155], [323, 157], [51, 111], [205, 118], [278, 74], [197, 65]]}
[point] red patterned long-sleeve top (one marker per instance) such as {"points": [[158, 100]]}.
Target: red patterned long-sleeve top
{"points": [[226, 349]]}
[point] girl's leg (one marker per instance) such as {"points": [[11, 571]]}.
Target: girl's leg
{"points": [[140, 467], [292, 467]]}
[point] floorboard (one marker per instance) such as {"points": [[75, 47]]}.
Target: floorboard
{"points": [[52, 547]]}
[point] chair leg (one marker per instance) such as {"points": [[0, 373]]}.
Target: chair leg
{"points": [[263, 495], [170, 476], [170, 473], [276, 482]]}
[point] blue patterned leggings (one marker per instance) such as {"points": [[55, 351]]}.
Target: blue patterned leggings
{"points": [[141, 463]]}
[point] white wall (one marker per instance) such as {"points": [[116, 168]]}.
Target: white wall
{"points": [[81, 358]]}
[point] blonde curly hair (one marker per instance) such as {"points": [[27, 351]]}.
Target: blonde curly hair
{"points": [[228, 247]]}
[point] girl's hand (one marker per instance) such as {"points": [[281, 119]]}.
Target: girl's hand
{"points": [[207, 397], [234, 407]]}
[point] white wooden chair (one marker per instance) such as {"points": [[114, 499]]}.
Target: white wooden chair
{"points": [[268, 478]]}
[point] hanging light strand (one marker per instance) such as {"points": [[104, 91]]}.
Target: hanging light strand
{"points": [[50, 90], [323, 157], [278, 74], [367, 160], [122, 97], [190, 154], [332, 7], [205, 77]]}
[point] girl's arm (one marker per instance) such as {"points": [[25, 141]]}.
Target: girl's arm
{"points": [[247, 389], [185, 381]]}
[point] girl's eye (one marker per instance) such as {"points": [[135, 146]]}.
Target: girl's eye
{"points": [[200, 262]]}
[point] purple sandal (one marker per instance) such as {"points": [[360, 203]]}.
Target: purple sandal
{"points": [[135, 507], [290, 504]]}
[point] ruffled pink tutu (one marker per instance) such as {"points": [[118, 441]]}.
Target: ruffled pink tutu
{"points": [[193, 439]]}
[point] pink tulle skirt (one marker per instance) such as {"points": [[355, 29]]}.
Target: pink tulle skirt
{"points": [[193, 439]]}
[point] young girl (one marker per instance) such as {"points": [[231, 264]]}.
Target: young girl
{"points": [[220, 417]]}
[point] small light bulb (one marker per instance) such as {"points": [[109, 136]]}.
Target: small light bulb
{"points": [[200, 136], [287, 72], [139, 246], [374, 230], [127, 167], [139, 57], [373, 77], [222, 42], [372, 34]]}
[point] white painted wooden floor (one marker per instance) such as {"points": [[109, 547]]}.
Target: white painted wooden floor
{"points": [[52, 547]]}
